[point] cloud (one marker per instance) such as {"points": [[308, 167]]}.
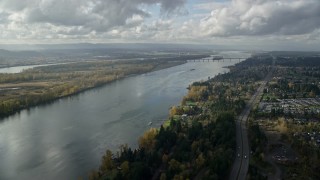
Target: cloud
{"points": [[4, 17], [96, 15], [173, 6], [209, 6], [263, 17], [220, 21]]}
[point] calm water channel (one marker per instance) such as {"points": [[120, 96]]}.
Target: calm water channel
{"points": [[19, 69], [66, 139]]}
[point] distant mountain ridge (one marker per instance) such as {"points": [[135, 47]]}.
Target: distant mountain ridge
{"points": [[132, 46]]}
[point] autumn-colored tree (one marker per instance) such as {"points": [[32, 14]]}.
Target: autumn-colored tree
{"points": [[107, 162], [175, 111], [147, 140], [125, 168]]}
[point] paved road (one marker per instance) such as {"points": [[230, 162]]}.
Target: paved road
{"points": [[241, 163]]}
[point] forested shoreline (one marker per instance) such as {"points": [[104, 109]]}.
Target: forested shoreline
{"points": [[198, 139]]}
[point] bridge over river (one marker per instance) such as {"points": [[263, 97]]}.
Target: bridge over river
{"points": [[218, 58]]}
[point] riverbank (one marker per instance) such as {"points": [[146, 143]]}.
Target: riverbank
{"points": [[186, 147], [199, 134], [70, 135], [45, 85]]}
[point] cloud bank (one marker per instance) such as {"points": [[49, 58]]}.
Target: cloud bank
{"points": [[160, 20], [96, 15], [263, 17]]}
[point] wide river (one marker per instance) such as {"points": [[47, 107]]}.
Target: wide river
{"points": [[66, 139]]}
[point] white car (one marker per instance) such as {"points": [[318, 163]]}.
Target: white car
{"points": [[245, 156]]}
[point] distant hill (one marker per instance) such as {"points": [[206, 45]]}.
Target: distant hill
{"points": [[13, 54]]}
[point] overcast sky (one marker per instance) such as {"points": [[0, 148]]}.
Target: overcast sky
{"points": [[260, 24]]}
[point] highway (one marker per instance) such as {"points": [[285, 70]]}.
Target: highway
{"points": [[241, 163]]}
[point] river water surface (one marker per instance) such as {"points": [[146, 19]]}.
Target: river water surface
{"points": [[66, 139], [19, 69]]}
